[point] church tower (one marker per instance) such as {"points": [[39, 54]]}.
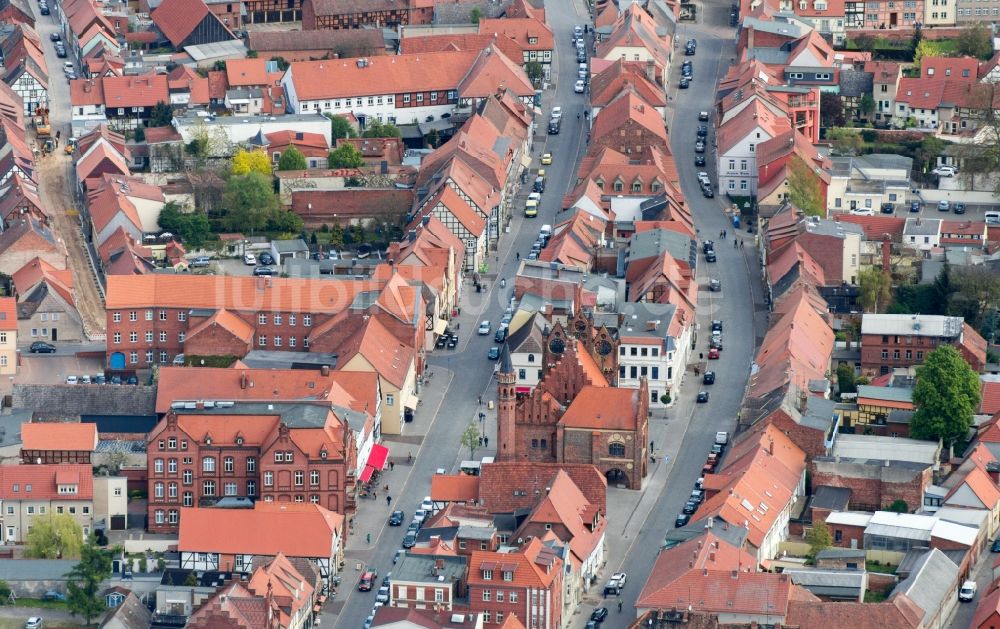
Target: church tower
{"points": [[506, 407]]}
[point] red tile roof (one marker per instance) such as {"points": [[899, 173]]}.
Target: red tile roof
{"points": [[900, 612], [41, 482], [960, 68], [605, 408], [507, 486], [987, 611], [454, 488], [755, 115], [297, 530], [387, 356], [339, 78], [718, 591], [237, 293], [417, 44], [628, 106], [176, 19], [288, 589], [38, 270], [564, 504], [624, 75], [247, 73], [136, 91], [522, 30], [989, 397], [65, 436], [527, 573], [8, 313], [875, 227], [490, 70]]}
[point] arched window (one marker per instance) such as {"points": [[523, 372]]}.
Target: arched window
{"points": [[531, 358], [616, 449]]}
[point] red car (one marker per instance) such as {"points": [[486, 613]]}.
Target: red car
{"points": [[713, 354], [367, 581]]}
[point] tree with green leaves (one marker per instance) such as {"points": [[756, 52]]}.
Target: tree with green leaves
{"points": [[340, 127], [845, 379], [292, 159], [251, 200], [535, 71], [804, 190], [471, 438], [345, 156], [866, 106], [194, 228], [875, 289], [899, 506], [946, 396], [245, 162], [818, 537], [54, 536], [84, 581], [845, 141], [975, 40], [376, 129], [161, 116], [475, 15]]}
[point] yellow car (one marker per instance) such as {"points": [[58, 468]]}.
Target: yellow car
{"points": [[531, 208], [547, 159]]}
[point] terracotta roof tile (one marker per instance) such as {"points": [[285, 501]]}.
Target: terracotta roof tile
{"points": [[247, 73], [388, 357], [521, 30], [751, 593], [135, 91], [624, 75], [608, 408], [491, 70], [234, 293], [339, 78], [625, 107], [526, 571], [989, 397], [43, 481], [361, 42], [297, 530], [507, 486], [899, 612], [565, 504], [39, 270], [454, 488], [959, 68], [176, 19], [418, 44], [59, 436]]}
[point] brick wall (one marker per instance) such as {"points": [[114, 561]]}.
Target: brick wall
{"points": [[459, 12], [635, 141], [808, 439], [843, 536], [872, 484], [828, 251]]}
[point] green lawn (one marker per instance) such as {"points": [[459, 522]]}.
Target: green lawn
{"points": [[871, 566], [39, 603]]}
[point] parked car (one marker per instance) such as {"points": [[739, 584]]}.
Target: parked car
{"points": [[556, 112], [41, 347], [484, 328], [396, 519], [493, 353], [265, 258], [613, 587], [399, 555], [410, 540], [249, 259], [945, 171], [708, 192], [263, 271], [61, 53], [710, 256], [681, 520], [699, 160], [959, 208], [714, 285], [382, 596], [580, 87], [684, 83], [713, 354], [599, 614], [554, 126], [702, 397], [914, 206], [53, 595], [201, 262], [179, 359], [699, 147], [862, 211], [888, 208], [689, 507], [132, 380], [546, 159], [995, 547], [716, 325], [501, 334], [72, 380], [708, 377], [35, 622], [702, 131], [55, 36], [944, 206], [703, 116], [100, 379]]}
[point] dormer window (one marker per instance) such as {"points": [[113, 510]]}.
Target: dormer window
{"points": [[322, 454], [208, 441], [487, 575], [619, 186], [239, 441], [508, 575], [532, 41]]}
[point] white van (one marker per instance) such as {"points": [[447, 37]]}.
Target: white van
{"points": [[546, 231], [992, 218]]}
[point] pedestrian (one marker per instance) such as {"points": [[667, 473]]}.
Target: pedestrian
{"points": [[480, 400], [374, 493], [409, 457], [392, 466], [387, 486], [619, 605], [742, 242], [486, 441], [388, 501], [480, 442], [517, 255], [368, 536], [701, 356], [722, 234], [735, 243]]}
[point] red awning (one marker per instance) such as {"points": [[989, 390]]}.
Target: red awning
{"points": [[378, 457], [366, 474], [522, 389]]}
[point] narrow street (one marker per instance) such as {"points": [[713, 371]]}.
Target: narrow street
{"points": [[56, 183]]}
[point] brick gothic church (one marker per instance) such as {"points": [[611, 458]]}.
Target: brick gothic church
{"points": [[575, 414]]}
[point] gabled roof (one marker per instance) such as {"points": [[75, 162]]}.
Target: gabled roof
{"points": [[628, 106], [297, 530], [176, 19], [280, 581], [604, 408], [521, 30], [454, 488], [756, 115], [39, 270], [411, 44], [247, 72], [875, 227], [989, 396], [388, 357], [229, 322], [340, 78], [959, 68], [41, 482], [492, 70], [136, 91], [532, 566], [505, 487], [233, 606], [64, 436], [635, 28], [565, 504], [625, 75]]}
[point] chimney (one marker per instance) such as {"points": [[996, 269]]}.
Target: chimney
{"points": [[711, 556], [651, 70], [886, 254], [735, 574], [412, 235], [770, 447], [324, 370], [243, 380]]}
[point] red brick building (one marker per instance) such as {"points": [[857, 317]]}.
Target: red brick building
{"points": [[527, 582], [152, 318], [629, 125], [573, 415], [890, 341], [874, 484], [276, 452]]}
